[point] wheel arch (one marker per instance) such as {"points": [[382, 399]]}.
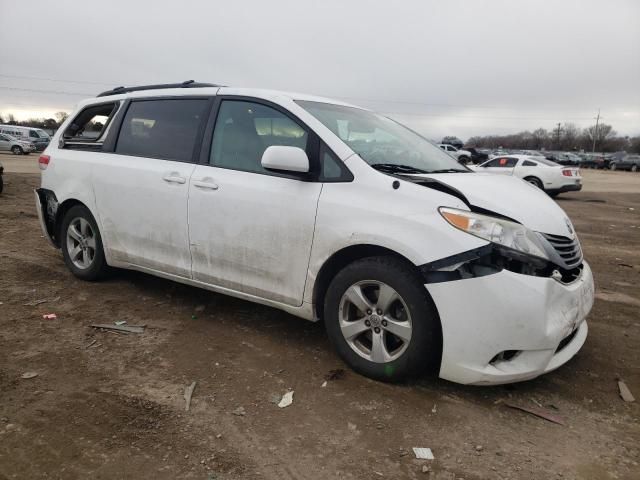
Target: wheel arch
{"points": [[339, 260]]}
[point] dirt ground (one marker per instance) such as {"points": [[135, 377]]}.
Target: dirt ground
{"points": [[105, 405]]}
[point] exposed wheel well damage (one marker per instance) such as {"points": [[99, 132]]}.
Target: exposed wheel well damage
{"points": [[53, 212]]}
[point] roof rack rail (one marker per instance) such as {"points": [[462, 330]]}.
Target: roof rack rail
{"points": [[186, 84]]}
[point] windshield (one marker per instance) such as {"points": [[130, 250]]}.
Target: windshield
{"points": [[381, 141]]}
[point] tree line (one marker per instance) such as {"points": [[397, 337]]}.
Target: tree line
{"points": [[565, 137], [44, 123]]}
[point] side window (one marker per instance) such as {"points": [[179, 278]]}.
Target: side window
{"points": [[505, 162], [165, 129], [33, 134], [89, 124], [244, 130], [493, 163], [527, 163], [331, 168]]}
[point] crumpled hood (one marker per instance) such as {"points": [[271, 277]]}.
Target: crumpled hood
{"points": [[511, 197]]}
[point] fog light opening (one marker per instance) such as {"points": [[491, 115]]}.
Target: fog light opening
{"points": [[505, 356]]}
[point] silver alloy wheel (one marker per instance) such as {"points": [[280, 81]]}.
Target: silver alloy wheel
{"points": [[375, 321], [81, 243]]}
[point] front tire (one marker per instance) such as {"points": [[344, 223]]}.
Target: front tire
{"points": [[381, 320], [634, 168], [16, 150], [612, 166], [81, 244]]}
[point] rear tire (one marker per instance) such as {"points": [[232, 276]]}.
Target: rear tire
{"points": [[81, 244], [634, 168], [612, 166], [535, 181], [399, 335]]}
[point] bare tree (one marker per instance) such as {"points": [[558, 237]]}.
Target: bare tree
{"points": [[61, 117], [569, 140], [601, 134]]}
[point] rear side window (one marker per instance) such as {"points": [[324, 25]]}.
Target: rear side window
{"points": [[90, 123], [528, 163], [165, 129]]}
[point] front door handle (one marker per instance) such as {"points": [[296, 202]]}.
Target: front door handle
{"points": [[174, 177], [206, 184]]}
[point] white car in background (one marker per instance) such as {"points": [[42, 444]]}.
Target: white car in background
{"points": [[463, 156], [544, 174]]}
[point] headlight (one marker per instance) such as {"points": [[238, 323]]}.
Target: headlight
{"points": [[496, 230]]}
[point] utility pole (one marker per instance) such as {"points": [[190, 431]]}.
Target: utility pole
{"points": [[595, 132], [558, 136]]}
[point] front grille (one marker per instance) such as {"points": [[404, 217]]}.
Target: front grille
{"points": [[568, 249]]}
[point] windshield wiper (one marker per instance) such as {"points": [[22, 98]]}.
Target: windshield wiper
{"points": [[449, 170], [397, 168]]}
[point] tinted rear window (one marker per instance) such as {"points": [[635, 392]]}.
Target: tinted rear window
{"points": [[165, 129]]}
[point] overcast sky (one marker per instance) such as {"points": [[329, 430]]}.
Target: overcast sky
{"points": [[443, 67]]}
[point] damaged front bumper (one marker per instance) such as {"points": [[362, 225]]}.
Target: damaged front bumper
{"points": [[508, 327]]}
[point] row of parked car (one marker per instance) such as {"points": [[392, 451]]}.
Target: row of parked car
{"points": [[611, 161], [23, 140]]}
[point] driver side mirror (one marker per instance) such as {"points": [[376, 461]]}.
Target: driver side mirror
{"points": [[287, 159]]}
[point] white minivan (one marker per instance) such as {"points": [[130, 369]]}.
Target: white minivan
{"points": [[326, 211]]}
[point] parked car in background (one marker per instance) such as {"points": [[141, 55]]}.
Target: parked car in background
{"points": [[326, 211], [36, 136], [627, 162], [563, 158], [477, 155], [595, 160], [544, 174], [1, 179], [451, 140], [15, 146], [463, 156]]}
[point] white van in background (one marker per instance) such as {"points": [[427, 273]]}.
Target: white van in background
{"points": [[37, 136]]}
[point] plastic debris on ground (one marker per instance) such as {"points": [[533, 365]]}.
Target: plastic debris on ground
{"points": [[120, 328], [49, 316], [120, 322], [538, 412], [240, 412], [423, 453], [287, 399], [625, 393], [27, 375], [188, 392]]}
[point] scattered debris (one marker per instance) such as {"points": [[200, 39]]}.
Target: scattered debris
{"points": [[27, 375], [34, 303], [239, 412], [324, 384], [434, 409], [92, 343], [538, 412], [403, 452], [287, 399], [423, 453], [337, 374], [479, 448], [188, 391], [625, 265], [625, 393], [120, 328], [120, 322], [49, 316], [426, 468]]}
